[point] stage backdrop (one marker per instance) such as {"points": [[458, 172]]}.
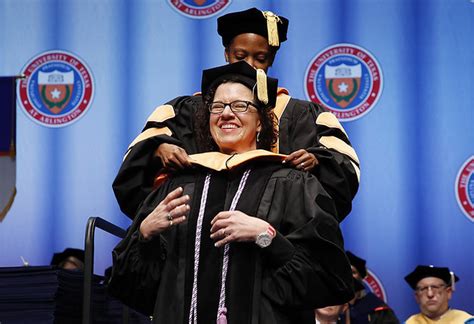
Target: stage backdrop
{"points": [[399, 74]]}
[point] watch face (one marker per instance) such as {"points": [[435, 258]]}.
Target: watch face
{"points": [[263, 239]]}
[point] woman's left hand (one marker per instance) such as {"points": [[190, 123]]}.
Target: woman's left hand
{"points": [[235, 226], [302, 160]]}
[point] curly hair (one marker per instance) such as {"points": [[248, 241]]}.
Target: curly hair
{"points": [[268, 121]]}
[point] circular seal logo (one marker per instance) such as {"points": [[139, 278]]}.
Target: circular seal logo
{"points": [[375, 285], [199, 9], [346, 79], [464, 188], [57, 89]]}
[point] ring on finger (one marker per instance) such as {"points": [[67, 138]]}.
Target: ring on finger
{"points": [[169, 217], [302, 164], [171, 223]]}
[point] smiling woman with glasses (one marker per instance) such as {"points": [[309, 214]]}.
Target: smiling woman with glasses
{"points": [[238, 243], [234, 108]]}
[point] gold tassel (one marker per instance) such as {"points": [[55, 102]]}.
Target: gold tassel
{"points": [[272, 27], [262, 93]]}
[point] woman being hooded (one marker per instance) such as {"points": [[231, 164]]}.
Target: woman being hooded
{"points": [[239, 238]]}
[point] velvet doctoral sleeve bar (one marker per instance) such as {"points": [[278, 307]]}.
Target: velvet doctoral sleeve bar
{"points": [[170, 123], [306, 125]]}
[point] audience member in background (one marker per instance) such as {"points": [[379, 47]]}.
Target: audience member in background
{"points": [[69, 259], [434, 288], [329, 314], [313, 137], [366, 307]]}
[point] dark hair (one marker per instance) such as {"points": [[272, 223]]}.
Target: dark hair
{"points": [[268, 134]]}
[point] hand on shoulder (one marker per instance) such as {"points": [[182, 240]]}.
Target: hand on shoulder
{"points": [[301, 160], [173, 157]]}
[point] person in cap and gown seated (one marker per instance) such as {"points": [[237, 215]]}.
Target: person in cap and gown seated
{"points": [[434, 288], [241, 237], [313, 137], [366, 307], [69, 259]]}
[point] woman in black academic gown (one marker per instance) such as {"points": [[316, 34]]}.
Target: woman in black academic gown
{"points": [[238, 238]]}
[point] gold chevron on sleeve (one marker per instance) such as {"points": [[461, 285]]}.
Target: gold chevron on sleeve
{"points": [[161, 114], [150, 132], [330, 120], [339, 145]]}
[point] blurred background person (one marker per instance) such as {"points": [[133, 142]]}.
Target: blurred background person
{"points": [[366, 307], [433, 287], [69, 259]]}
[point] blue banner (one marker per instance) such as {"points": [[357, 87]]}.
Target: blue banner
{"points": [[7, 144]]}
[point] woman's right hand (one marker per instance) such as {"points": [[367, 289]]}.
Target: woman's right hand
{"points": [[169, 212]]}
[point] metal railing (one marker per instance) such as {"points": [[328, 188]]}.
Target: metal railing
{"points": [[92, 224]]}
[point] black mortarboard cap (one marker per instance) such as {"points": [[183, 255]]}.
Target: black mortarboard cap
{"points": [[358, 263], [59, 257], [264, 23], [423, 271], [264, 87]]}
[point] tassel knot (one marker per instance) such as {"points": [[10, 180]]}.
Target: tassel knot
{"points": [[222, 318]]}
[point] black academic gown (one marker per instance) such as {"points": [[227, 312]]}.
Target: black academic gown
{"points": [[302, 125], [304, 268]]}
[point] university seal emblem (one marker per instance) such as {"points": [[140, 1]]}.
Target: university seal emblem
{"points": [[464, 188], [199, 9], [57, 89], [346, 79], [375, 285]]}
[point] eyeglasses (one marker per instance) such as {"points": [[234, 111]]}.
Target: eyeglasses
{"points": [[436, 289], [238, 106]]}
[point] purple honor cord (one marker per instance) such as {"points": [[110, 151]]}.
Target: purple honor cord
{"points": [[222, 310]]}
